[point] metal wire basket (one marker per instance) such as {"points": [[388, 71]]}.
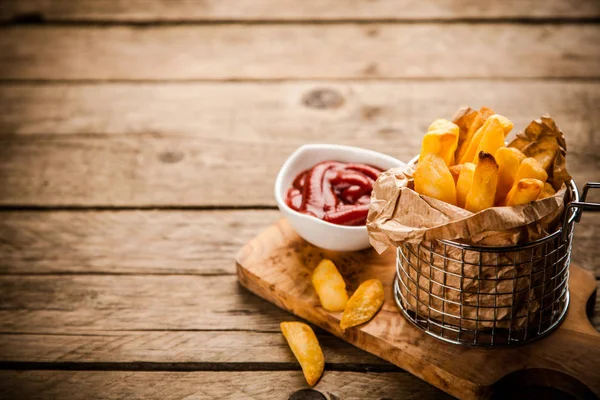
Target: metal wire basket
{"points": [[490, 296]]}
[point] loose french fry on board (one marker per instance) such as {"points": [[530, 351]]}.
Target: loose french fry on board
{"points": [[531, 168], [441, 139], [330, 286], [463, 185], [491, 123], [433, 178], [468, 127], [524, 191], [483, 188], [363, 304], [547, 191], [306, 349], [509, 159]]}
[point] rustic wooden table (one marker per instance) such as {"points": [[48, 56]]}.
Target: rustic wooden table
{"points": [[139, 141]]}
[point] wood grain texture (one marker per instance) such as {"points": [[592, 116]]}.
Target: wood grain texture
{"points": [[127, 242], [274, 52], [209, 385], [161, 242], [268, 10], [146, 144], [277, 264]]}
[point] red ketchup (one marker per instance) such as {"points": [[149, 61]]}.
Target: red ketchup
{"points": [[334, 191]]}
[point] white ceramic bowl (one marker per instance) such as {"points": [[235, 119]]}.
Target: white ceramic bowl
{"points": [[318, 232]]}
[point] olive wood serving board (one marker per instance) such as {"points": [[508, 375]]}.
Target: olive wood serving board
{"points": [[277, 265]]}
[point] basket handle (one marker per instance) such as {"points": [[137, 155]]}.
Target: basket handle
{"points": [[578, 207]]}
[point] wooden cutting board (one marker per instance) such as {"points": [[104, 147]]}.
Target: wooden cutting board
{"points": [[277, 265]]}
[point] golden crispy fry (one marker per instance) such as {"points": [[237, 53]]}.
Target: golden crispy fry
{"points": [[483, 188], [524, 191], [441, 139], [463, 185], [493, 137], [531, 168], [508, 159], [364, 304], [495, 122], [433, 178], [330, 286], [305, 346], [455, 171], [469, 124], [547, 191]]}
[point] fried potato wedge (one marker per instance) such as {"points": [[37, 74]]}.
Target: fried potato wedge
{"points": [[455, 171], [509, 159], [469, 122], [330, 286], [441, 139], [433, 178], [306, 349], [493, 123], [364, 304], [482, 193], [530, 168], [524, 191], [463, 185], [547, 191]]}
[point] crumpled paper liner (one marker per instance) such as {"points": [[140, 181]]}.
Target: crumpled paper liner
{"points": [[399, 216]]}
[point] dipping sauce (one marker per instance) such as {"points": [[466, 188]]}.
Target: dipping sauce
{"points": [[334, 191]]}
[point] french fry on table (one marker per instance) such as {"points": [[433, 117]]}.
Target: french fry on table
{"points": [[463, 185], [492, 123], [363, 304], [531, 168], [441, 139], [433, 178], [524, 191], [330, 286], [509, 159], [483, 188], [305, 346]]}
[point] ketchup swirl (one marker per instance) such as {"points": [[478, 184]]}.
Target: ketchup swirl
{"points": [[334, 191]]}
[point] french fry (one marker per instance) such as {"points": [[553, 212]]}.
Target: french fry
{"points": [[463, 185], [493, 137], [441, 139], [495, 122], [433, 178], [547, 191], [483, 188], [530, 168], [524, 191], [306, 349], [508, 159], [364, 304], [455, 171], [468, 127], [330, 286]]}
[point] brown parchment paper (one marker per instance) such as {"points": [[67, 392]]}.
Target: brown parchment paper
{"points": [[469, 284]]}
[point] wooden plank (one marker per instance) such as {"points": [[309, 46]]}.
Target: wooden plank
{"points": [[147, 143], [160, 349], [87, 303], [161, 242], [321, 51], [127, 242], [209, 385], [268, 10]]}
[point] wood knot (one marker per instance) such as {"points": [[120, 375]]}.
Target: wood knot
{"points": [[307, 394], [323, 99], [170, 157]]}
